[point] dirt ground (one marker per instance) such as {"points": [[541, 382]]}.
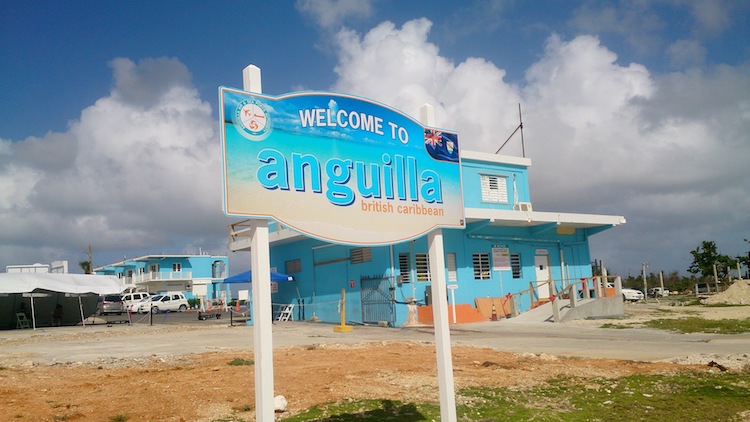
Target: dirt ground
{"points": [[204, 387]]}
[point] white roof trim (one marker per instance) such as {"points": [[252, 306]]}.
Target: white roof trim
{"points": [[534, 218], [495, 158]]}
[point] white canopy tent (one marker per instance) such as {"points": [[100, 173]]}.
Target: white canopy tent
{"points": [[53, 289]]}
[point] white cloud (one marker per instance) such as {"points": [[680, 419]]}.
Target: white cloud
{"points": [[604, 137], [333, 13], [401, 68], [686, 53], [711, 16], [138, 168], [636, 22]]}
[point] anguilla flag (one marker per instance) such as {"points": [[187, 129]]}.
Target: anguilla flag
{"points": [[441, 145]]}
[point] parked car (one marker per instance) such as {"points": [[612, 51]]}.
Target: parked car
{"points": [[131, 299], [658, 292], [701, 288], [632, 295], [110, 304], [164, 302]]}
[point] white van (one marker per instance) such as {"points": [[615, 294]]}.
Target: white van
{"points": [[131, 299]]}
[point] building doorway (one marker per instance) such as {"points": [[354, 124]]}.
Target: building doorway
{"points": [[541, 266]]}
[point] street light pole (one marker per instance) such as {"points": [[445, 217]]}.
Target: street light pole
{"points": [[645, 285]]}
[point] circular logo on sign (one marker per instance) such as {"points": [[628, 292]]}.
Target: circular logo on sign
{"points": [[252, 118]]}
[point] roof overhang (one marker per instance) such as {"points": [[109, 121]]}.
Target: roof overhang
{"points": [[538, 221], [240, 235]]}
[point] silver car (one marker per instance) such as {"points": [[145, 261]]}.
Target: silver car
{"points": [[110, 304]]}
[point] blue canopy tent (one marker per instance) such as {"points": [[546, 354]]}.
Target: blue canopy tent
{"points": [[247, 277]]}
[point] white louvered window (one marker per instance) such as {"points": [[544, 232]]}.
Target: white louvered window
{"points": [[450, 262], [404, 267], [360, 255], [481, 263], [515, 264], [293, 266], [494, 189], [423, 267]]}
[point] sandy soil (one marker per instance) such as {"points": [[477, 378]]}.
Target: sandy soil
{"points": [[204, 387]]}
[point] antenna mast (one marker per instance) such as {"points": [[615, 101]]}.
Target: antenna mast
{"points": [[519, 127]]}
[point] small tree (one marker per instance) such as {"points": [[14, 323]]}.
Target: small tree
{"points": [[704, 259], [85, 266]]}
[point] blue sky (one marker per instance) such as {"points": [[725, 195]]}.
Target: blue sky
{"points": [[109, 118]]}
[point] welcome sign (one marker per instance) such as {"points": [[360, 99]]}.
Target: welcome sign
{"points": [[338, 167]]}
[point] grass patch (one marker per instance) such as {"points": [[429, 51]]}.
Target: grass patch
{"points": [[616, 326], [685, 301], [119, 418], [664, 310], [689, 396], [374, 410], [700, 325], [243, 408], [240, 362]]}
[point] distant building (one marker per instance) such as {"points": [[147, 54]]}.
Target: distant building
{"points": [[198, 275], [58, 267], [31, 268], [506, 247]]}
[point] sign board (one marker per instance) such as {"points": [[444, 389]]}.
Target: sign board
{"points": [[501, 259], [338, 167]]}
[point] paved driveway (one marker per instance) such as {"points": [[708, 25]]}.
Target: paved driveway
{"points": [[184, 334]]}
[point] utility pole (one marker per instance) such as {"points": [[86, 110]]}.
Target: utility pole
{"points": [[90, 269], [645, 285], [716, 278]]}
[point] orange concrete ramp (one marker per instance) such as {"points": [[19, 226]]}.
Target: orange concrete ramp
{"points": [[464, 313]]}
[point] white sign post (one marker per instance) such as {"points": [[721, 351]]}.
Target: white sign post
{"points": [[452, 288], [261, 285], [440, 309], [344, 170]]}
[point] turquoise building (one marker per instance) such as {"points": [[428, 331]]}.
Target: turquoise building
{"points": [[506, 247], [196, 275]]}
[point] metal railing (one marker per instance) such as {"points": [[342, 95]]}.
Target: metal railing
{"points": [[595, 287], [158, 276]]}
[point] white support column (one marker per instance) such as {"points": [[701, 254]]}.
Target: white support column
{"points": [[262, 322], [262, 311], [251, 79], [442, 330], [440, 307]]}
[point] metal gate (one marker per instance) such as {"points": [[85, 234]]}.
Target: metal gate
{"points": [[377, 300]]}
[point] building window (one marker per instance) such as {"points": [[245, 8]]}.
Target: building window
{"points": [[481, 263], [494, 189], [404, 267], [293, 266], [422, 261], [450, 262], [423, 267], [153, 268], [177, 267], [360, 255], [515, 264]]}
